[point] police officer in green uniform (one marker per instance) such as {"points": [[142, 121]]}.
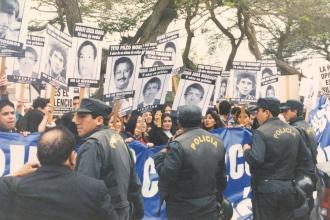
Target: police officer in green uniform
{"points": [[273, 159], [191, 169], [292, 111], [104, 155]]}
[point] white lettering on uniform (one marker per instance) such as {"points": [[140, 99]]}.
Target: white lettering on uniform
{"points": [[149, 188]]}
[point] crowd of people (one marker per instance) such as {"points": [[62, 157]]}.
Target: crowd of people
{"points": [[99, 180]]}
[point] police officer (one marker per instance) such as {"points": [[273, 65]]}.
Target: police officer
{"points": [[292, 111], [191, 169], [104, 155], [273, 163]]}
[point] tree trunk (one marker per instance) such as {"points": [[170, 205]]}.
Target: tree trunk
{"points": [[72, 13], [190, 34], [234, 44], [156, 24]]}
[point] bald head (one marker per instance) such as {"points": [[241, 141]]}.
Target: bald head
{"points": [[55, 146]]}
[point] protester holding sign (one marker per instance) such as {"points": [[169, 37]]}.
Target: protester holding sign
{"points": [[188, 181], [276, 152]]}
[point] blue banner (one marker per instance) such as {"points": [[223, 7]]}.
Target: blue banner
{"points": [[16, 150], [319, 118]]}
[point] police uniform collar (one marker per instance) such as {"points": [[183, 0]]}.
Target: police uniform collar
{"points": [[185, 130], [298, 118], [94, 131], [271, 119]]}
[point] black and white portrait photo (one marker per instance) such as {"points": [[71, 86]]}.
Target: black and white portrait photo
{"points": [[151, 92], [11, 17], [86, 60], [56, 62], [244, 85], [223, 88], [194, 92], [123, 69], [28, 64], [266, 72]]}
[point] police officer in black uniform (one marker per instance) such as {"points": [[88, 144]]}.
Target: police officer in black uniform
{"points": [[191, 169], [104, 155], [273, 156], [292, 111]]}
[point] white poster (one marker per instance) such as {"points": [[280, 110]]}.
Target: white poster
{"points": [[25, 69], [151, 87], [54, 63], [87, 51], [13, 26], [244, 81], [194, 89], [170, 42], [221, 88], [156, 58], [269, 79], [122, 71]]}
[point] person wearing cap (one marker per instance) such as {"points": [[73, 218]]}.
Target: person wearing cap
{"points": [[104, 155], [191, 169], [274, 165], [292, 111]]}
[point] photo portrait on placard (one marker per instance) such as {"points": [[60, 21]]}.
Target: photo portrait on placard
{"points": [[193, 93], [121, 73], [12, 26], [244, 84], [151, 87], [170, 42], [86, 60], [221, 88], [25, 69], [57, 58], [151, 91], [270, 88]]}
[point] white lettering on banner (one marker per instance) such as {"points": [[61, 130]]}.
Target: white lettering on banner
{"points": [[321, 157], [149, 188], [243, 208], [33, 154], [17, 161], [236, 170], [2, 162], [17, 154]]}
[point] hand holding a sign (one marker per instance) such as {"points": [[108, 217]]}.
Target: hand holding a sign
{"points": [[246, 147]]}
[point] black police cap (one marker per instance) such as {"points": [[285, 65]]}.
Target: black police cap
{"points": [[269, 103], [292, 104], [94, 106]]}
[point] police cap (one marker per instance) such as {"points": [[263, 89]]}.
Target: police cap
{"points": [[269, 103], [189, 116], [94, 106], [292, 104]]}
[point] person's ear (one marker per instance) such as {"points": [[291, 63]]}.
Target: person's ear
{"points": [[72, 159], [99, 120]]}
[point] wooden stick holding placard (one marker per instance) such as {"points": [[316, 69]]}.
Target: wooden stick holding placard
{"points": [[81, 93], [20, 105], [52, 101], [3, 88]]}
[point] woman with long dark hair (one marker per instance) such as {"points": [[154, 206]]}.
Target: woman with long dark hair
{"points": [[212, 121], [160, 136]]}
